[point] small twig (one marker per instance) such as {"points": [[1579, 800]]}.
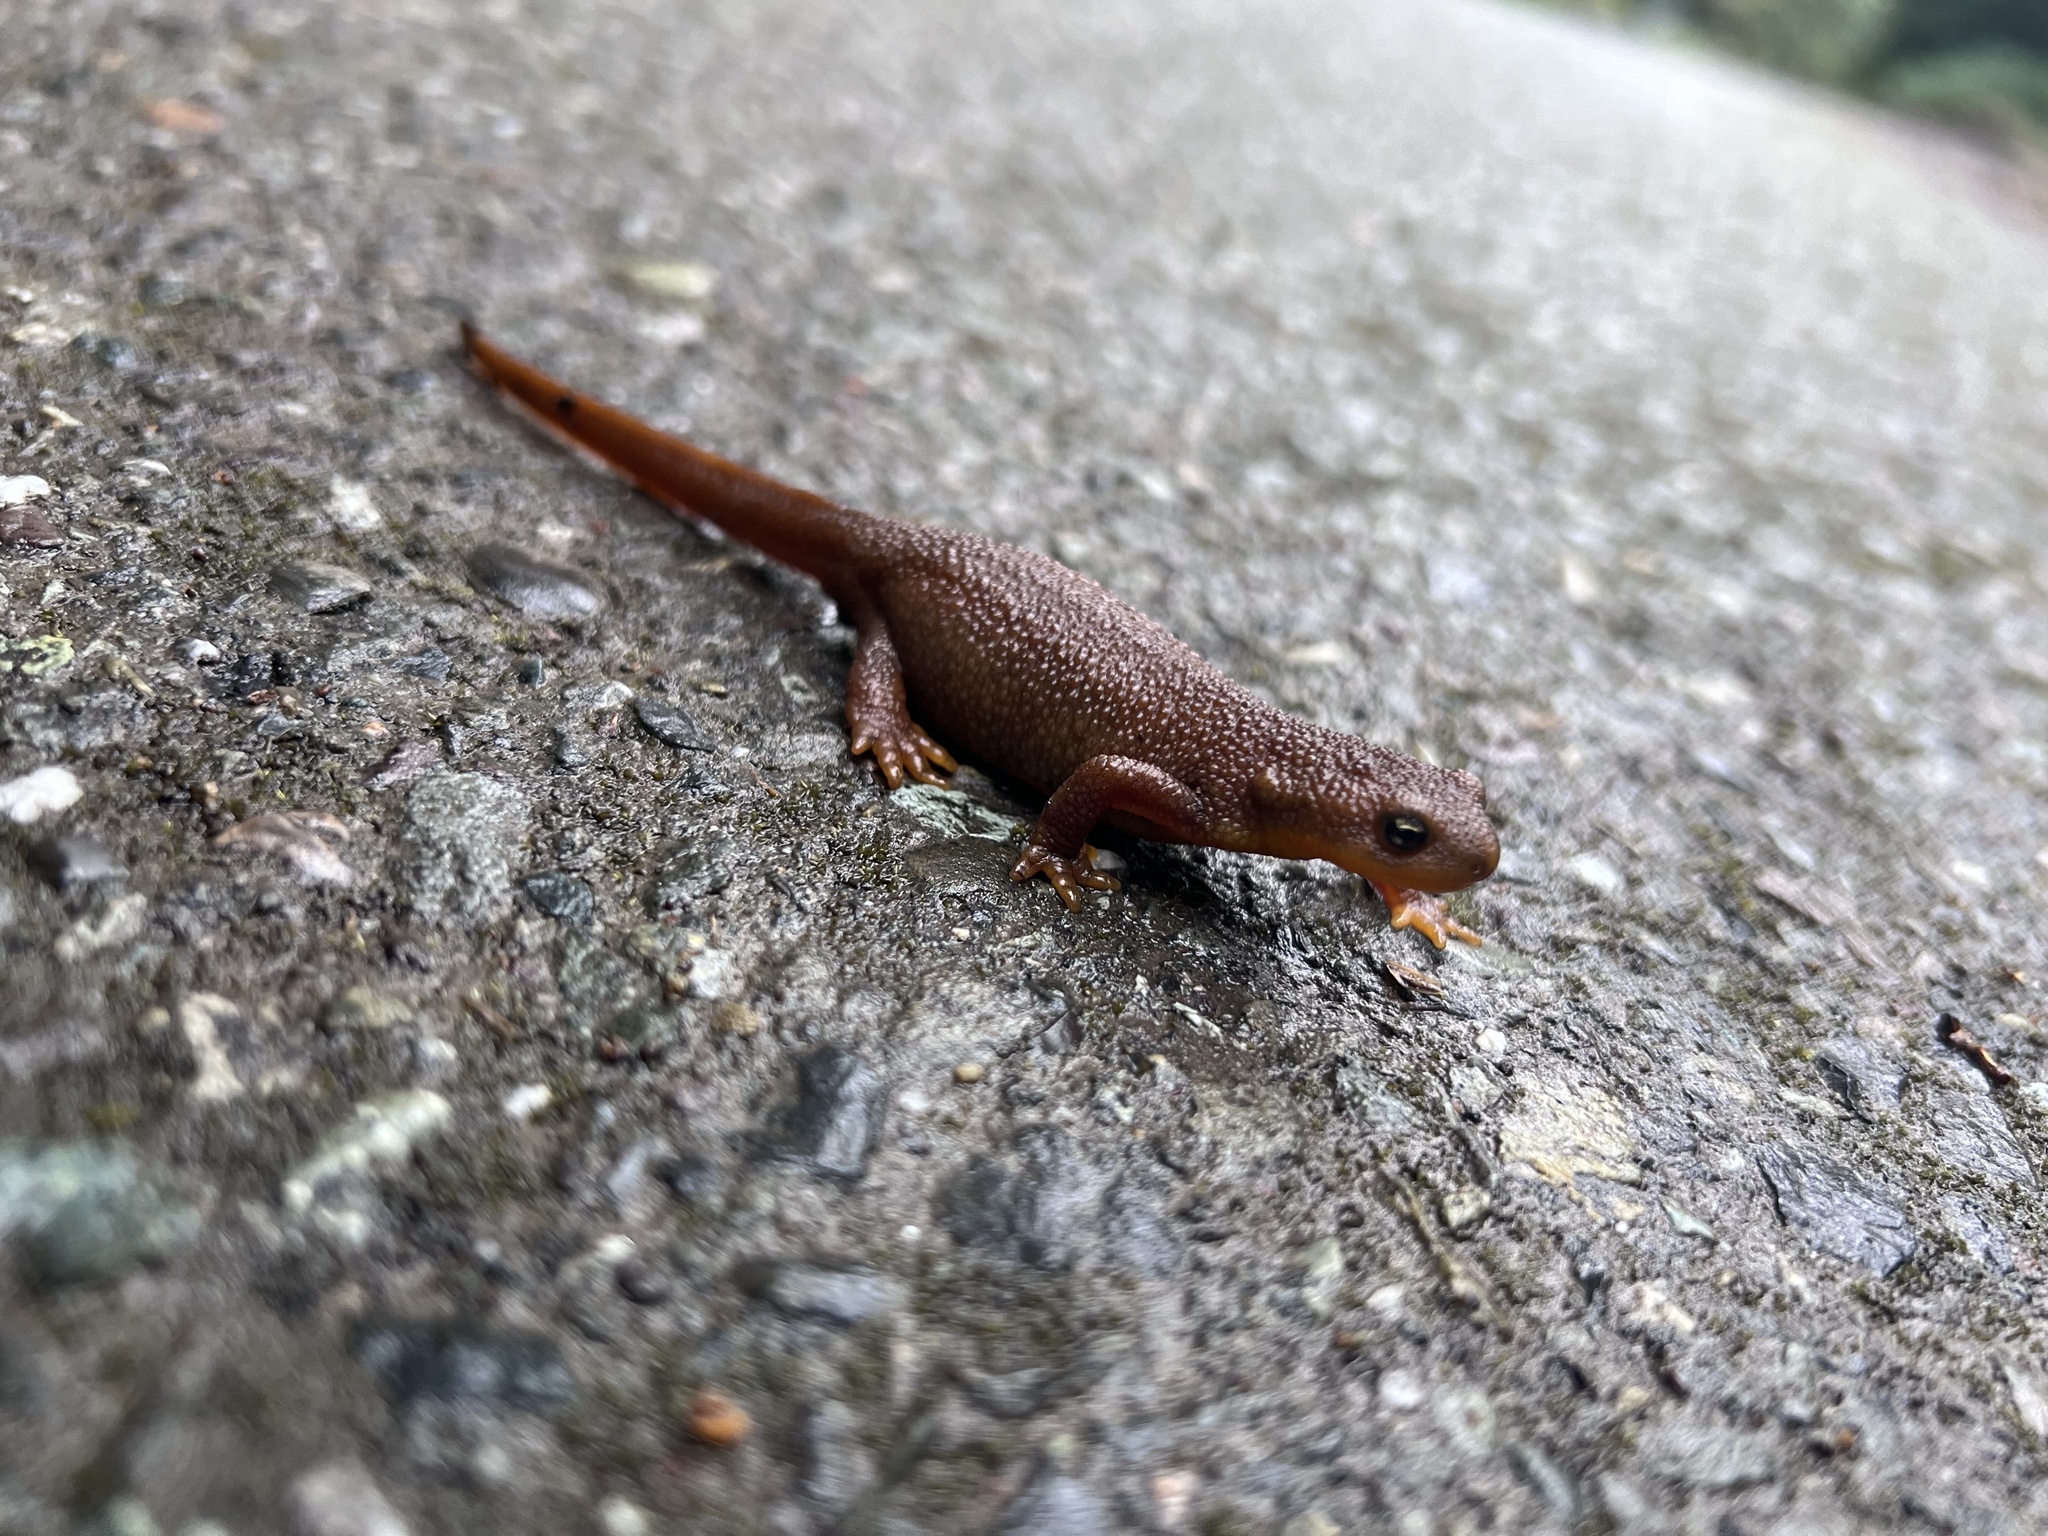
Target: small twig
{"points": [[772, 790], [490, 1018], [1956, 1036], [1466, 1285]]}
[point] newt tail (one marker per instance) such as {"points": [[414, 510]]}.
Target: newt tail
{"points": [[1035, 671]]}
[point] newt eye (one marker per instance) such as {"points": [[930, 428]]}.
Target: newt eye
{"points": [[1405, 833]]}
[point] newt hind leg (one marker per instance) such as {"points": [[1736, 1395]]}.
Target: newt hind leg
{"points": [[1058, 848], [1423, 914], [1068, 875], [878, 717]]}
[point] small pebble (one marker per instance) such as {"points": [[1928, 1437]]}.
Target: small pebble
{"points": [[1597, 875], [364, 1008], [44, 792], [382, 1133], [17, 489], [350, 508], [24, 524], [642, 1285], [841, 1296], [667, 722], [318, 587], [686, 280], [534, 587], [738, 1019], [1401, 1391], [559, 895], [463, 1363], [340, 1498], [526, 1101], [969, 1072], [125, 1517], [717, 1420], [618, 1516], [200, 653], [67, 861]]}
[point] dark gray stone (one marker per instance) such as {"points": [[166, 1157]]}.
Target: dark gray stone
{"points": [[454, 1363], [1039, 1212], [534, 587], [1868, 1084], [642, 1284], [460, 841], [317, 587], [685, 873], [559, 895], [1708, 1456], [1055, 1506], [1364, 1095], [429, 665], [1836, 1210], [669, 723], [64, 861], [837, 1117], [834, 1467], [694, 1180], [1968, 1130], [595, 981], [1008, 1394], [572, 748], [841, 1296], [115, 352]]}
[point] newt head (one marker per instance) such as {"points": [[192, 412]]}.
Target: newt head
{"points": [[1389, 818]]}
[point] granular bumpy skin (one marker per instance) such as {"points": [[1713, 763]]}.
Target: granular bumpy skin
{"points": [[1012, 659]]}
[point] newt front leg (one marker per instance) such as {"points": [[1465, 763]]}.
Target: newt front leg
{"points": [[878, 715], [1423, 913]]}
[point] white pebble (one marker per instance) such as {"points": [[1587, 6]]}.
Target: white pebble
{"points": [[383, 1133], [350, 508], [16, 489], [526, 1101], [45, 792], [341, 1499], [1401, 1391], [622, 1517]]}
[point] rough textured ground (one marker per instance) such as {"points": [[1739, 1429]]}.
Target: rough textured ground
{"points": [[474, 1004]]}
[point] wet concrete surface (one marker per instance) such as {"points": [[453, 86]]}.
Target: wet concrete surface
{"points": [[475, 1054]]}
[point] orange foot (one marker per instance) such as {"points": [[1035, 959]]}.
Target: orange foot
{"points": [[1067, 875], [903, 751], [1424, 914]]}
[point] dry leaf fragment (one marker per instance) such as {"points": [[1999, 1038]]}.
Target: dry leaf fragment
{"points": [[300, 837]]}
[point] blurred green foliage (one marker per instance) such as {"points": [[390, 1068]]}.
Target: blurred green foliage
{"points": [[1829, 40], [1983, 63]]}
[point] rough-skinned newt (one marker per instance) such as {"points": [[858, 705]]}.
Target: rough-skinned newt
{"points": [[1017, 662]]}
